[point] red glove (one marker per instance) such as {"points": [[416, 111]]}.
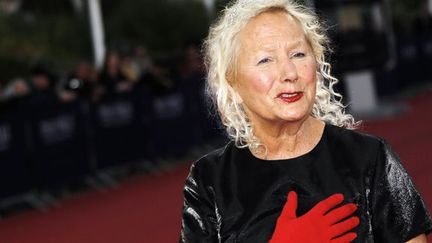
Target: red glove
{"points": [[320, 224]]}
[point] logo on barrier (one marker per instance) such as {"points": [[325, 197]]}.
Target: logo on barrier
{"points": [[57, 129], [115, 114], [169, 106]]}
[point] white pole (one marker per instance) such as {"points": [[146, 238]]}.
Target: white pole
{"points": [[209, 4], [361, 92], [97, 32], [430, 7]]}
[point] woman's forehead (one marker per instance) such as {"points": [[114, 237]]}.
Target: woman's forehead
{"points": [[269, 29]]}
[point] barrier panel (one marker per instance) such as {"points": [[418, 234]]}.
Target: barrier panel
{"points": [[116, 136], [59, 153], [47, 145], [169, 133], [15, 176]]}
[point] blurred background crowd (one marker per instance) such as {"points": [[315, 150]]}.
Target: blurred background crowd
{"points": [[69, 121], [46, 48], [67, 116]]}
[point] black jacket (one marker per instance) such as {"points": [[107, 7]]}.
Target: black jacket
{"points": [[232, 196]]}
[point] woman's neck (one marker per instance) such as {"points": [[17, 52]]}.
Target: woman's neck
{"points": [[287, 140]]}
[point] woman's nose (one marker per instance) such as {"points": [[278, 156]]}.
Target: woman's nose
{"points": [[288, 71]]}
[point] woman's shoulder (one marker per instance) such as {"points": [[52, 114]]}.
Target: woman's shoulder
{"points": [[216, 156], [211, 165], [351, 137]]}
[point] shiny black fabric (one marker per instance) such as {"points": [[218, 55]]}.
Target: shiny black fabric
{"points": [[232, 196]]}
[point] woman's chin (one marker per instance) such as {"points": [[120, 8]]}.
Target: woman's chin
{"points": [[293, 117]]}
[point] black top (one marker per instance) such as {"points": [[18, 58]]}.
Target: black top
{"points": [[232, 196]]}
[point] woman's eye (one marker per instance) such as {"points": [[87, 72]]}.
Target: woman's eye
{"points": [[264, 60], [299, 54]]}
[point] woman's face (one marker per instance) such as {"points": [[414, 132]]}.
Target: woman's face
{"points": [[276, 69]]}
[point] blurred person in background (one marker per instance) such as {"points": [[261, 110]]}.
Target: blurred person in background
{"points": [[16, 88], [158, 78], [192, 65], [130, 68], [191, 81], [423, 23], [42, 84], [15, 93], [295, 169], [111, 77], [77, 79], [191, 74], [144, 64], [142, 60], [95, 89], [83, 81]]}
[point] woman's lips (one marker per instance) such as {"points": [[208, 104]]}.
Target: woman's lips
{"points": [[290, 97]]}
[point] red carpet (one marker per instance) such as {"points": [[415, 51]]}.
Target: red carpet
{"points": [[142, 209], [411, 136], [147, 208]]}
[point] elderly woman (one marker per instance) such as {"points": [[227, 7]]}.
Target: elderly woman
{"points": [[295, 170]]}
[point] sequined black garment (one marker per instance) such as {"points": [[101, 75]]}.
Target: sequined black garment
{"points": [[232, 196]]}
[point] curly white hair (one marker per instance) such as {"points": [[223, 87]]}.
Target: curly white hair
{"points": [[221, 49]]}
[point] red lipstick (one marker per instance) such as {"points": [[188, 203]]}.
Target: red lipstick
{"points": [[290, 97]]}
